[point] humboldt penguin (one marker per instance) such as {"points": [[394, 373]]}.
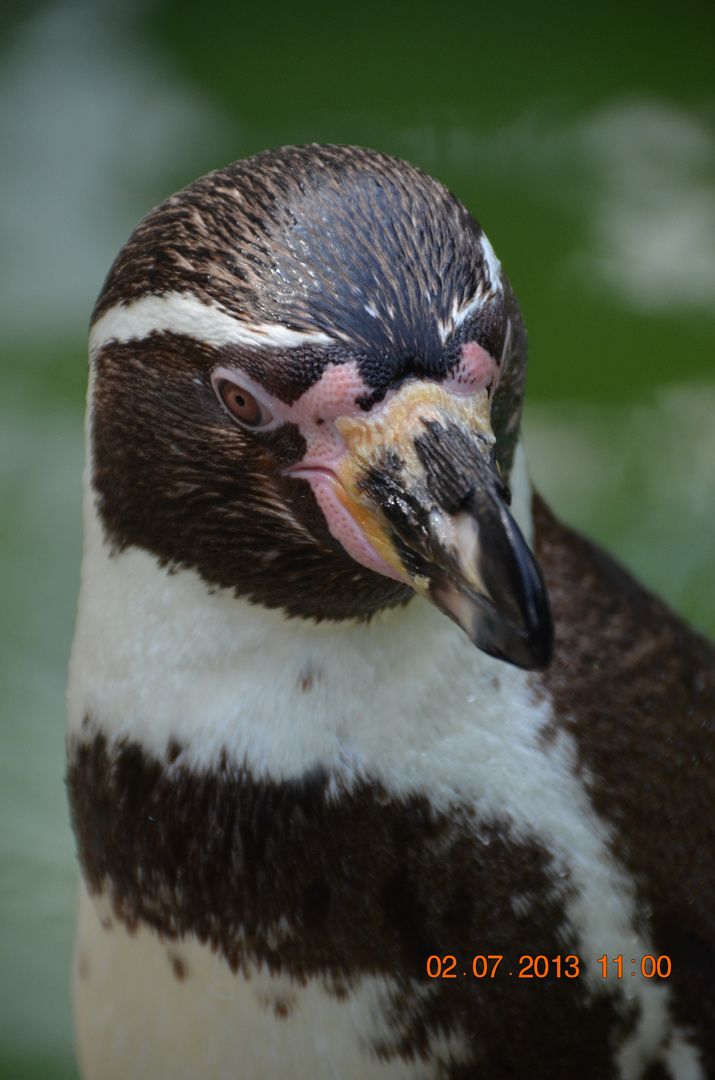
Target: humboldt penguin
{"points": [[376, 769]]}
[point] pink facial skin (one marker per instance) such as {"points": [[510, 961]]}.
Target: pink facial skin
{"points": [[475, 371], [335, 395], [315, 413]]}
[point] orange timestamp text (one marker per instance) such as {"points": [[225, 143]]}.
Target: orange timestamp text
{"points": [[542, 967]]}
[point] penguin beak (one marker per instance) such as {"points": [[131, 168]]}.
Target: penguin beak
{"points": [[421, 479]]}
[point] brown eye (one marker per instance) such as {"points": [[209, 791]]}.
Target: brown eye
{"points": [[242, 405]]}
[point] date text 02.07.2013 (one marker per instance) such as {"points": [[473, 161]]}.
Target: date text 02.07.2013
{"points": [[446, 967]]}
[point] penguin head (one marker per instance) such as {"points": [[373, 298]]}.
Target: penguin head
{"points": [[307, 381]]}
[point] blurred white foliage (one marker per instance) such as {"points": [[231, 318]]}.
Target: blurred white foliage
{"points": [[641, 478], [652, 213], [92, 122]]}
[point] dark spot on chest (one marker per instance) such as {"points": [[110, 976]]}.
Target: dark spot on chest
{"points": [[282, 1009], [309, 676], [178, 965]]}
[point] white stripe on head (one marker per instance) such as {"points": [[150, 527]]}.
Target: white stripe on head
{"points": [[493, 264], [495, 285], [458, 314], [184, 313]]}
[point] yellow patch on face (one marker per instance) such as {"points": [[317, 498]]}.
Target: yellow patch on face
{"points": [[391, 430], [399, 422]]}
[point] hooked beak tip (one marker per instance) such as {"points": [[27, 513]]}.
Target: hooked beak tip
{"points": [[529, 646]]}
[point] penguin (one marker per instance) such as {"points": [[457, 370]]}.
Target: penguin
{"points": [[376, 769]]}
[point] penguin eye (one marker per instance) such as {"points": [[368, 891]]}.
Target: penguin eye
{"points": [[242, 404]]}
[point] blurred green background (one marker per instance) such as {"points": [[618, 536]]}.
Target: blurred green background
{"points": [[582, 137]]}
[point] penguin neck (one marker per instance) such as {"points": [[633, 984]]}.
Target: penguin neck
{"points": [[163, 660]]}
